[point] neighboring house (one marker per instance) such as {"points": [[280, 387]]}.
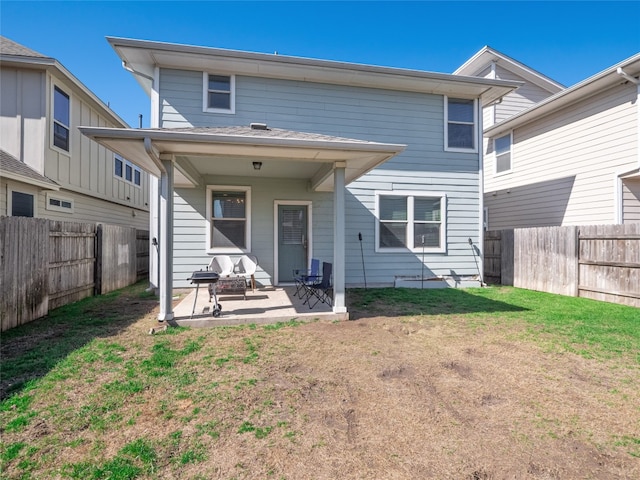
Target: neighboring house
{"points": [[49, 169], [572, 158], [291, 158]]}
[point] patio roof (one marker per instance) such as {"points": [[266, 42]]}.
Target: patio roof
{"points": [[203, 151]]}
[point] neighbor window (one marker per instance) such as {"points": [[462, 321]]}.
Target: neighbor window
{"points": [[59, 204], [127, 171], [228, 213], [411, 221], [22, 204], [218, 93], [61, 119], [460, 124], [502, 147]]}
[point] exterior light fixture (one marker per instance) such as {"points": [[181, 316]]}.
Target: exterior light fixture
{"points": [[257, 165]]}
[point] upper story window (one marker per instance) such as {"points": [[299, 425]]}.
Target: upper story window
{"points": [[502, 147], [229, 218], [61, 119], [218, 93], [411, 221], [126, 171], [460, 125]]}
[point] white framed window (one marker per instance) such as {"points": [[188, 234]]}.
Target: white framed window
{"points": [[410, 220], [460, 121], [502, 149], [58, 203], [22, 202], [127, 171], [218, 93], [228, 219], [61, 137]]}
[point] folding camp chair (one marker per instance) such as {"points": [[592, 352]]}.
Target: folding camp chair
{"points": [[308, 277], [321, 291]]}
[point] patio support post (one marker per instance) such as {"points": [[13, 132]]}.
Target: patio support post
{"points": [[339, 305], [166, 241]]}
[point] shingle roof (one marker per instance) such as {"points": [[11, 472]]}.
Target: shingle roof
{"points": [[244, 131], [9, 47], [10, 164]]}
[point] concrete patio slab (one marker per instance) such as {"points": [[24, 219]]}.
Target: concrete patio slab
{"points": [[262, 306]]}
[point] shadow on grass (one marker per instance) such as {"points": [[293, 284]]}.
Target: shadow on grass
{"points": [[393, 302], [30, 351]]}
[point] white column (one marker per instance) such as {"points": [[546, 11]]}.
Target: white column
{"points": [[165, 242], [339, 305]]}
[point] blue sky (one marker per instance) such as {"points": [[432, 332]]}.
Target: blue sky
{"points": [[567, 41]]}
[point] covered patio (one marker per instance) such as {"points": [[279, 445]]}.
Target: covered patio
{"points": [[264, 305], [196, 157]]}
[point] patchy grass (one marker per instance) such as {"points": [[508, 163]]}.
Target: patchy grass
{"points": [[478, 383]]}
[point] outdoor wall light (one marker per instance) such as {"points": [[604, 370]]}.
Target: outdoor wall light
{"points": [[257, 165]]}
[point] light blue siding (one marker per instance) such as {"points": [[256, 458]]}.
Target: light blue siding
{"points": [[378, 115]]}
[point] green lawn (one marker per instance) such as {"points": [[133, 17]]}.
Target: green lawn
{"points": [[74, 380]]}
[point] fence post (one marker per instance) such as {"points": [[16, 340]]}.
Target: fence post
{"points": [[97, 279], [577, 260]]}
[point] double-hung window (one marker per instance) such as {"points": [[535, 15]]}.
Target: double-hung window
{"points": [[218, 93], [229, 219], [61, 119], [460, 125], [411, 221], [502, 147]]}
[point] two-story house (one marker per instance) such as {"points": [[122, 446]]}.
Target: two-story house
{"points": [[48, 169], [561, 156], [292, 158]]}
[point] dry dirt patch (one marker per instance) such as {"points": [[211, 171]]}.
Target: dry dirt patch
{"points": [[376, 398]]}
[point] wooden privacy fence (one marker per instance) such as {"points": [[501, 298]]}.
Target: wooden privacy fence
{"points": [[600, 261], [45, 264]]}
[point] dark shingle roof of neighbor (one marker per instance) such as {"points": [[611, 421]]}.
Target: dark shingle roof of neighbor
{"points": [[9, 47], [10, 164]]}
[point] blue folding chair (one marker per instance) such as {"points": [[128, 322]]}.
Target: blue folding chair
{"points": [[310, 276], [322, 290]]}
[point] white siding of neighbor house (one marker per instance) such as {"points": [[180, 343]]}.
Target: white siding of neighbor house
{"points": [[86, 172], [362, 113], [631, 200], [88, 168], [513, 102], [564, 164], [23, 108], [85, 209], [520, 99]]}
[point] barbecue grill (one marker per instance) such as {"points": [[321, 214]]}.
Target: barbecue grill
{"points": [[209, 277]]}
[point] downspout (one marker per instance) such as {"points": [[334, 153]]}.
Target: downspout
{"points": [[619, 203], [480, 188]]}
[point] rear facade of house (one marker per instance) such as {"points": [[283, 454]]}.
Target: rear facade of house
{"points": [[410, 216]]}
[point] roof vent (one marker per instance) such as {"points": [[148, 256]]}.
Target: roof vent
{"points": [[259, 126]]}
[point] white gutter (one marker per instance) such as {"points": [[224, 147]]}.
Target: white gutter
{"points": [[624, 74], [590, 86]]}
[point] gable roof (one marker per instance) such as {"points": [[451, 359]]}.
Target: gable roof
{"points": [[11, 167], [141, 57], [592, 85], [486, 55], [13, 54]]}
